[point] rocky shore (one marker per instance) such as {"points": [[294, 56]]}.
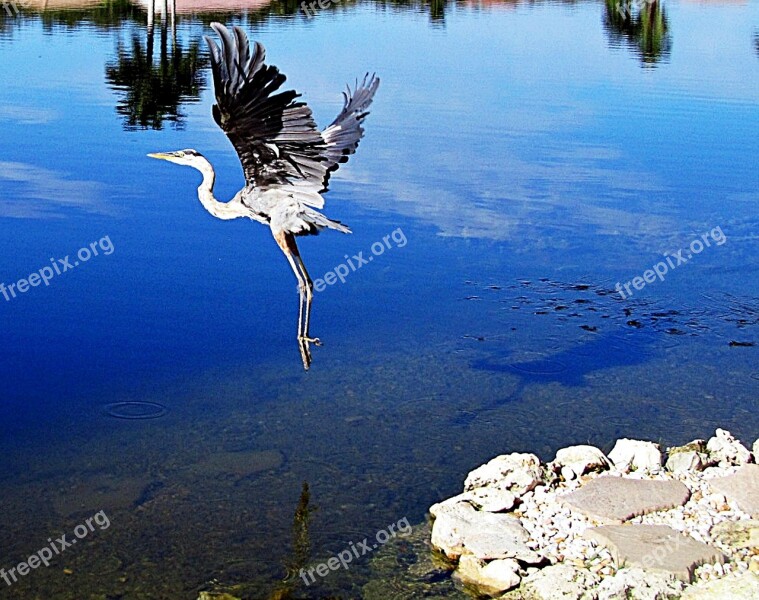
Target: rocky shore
{"points": [[636, 524]]}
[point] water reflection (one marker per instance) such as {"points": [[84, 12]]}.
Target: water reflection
{"points": [[642, 25], [104, 14], [153, 88], [301, 548]]}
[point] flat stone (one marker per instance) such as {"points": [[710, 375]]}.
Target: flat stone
{"points": [[616, 499], [742, 587], [654, 547], [639, 584], [560, 582], [737, 534], [459, 528], [517, 473], [239, 465], [741, 488]]}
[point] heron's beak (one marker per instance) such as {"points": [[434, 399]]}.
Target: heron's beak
{"points": [[162, 155]]}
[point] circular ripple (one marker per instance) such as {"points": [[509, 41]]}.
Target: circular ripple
{"points": [[135, 410]]}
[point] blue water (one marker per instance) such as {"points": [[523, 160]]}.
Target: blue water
{"points": [[532, 155]]}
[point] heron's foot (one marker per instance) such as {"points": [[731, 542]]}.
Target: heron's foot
{"points": [[305, 349]]}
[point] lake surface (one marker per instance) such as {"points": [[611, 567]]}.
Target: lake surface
{"points": [[529, 157]]}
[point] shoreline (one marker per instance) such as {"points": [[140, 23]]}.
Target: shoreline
{"points": [[638, 523]]}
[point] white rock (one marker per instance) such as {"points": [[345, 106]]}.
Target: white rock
{"points": [[562, 582], [501, 574], [636, 455], [459, 528], [755, 448], [490, 499], [725, 449], [742, 587], [568, 473], [486, 499], [517, 473], [685, 462], [580, 460], [491, 578], [637, 584]]}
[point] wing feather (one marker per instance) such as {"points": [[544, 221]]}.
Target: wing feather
{"points": [[273, 132], [275, 135], [344, 133]]}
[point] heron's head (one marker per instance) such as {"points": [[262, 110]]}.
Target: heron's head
{"points": [[189, 157]]}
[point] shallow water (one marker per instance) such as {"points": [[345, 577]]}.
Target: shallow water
{"points": [[533, 156]]}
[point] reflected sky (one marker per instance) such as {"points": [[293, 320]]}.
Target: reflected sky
{"points": [[583, 161]]}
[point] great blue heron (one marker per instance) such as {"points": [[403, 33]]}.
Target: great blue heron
{"points": [[287, 161]]}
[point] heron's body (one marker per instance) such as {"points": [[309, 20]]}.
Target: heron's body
{"points": [[286, 159], [285, 210]]}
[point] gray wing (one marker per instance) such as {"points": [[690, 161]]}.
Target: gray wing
{"points": [[275, 136], [345, 132]]}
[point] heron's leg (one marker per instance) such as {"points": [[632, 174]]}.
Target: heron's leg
{"points": [[301, 293], [286, 243], [309, 292]]}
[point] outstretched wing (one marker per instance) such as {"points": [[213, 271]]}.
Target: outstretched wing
{"points": [[343, 135], [275, 136]]}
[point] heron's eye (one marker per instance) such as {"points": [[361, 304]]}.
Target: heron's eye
{"points": [[180, 154]]}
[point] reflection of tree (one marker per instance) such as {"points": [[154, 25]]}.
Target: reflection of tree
{"points": [[756, 41], [436, 8], [642, 24], [154, 89], [301, 548], [105, 15]]}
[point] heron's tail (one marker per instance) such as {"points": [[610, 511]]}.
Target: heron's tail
{"points": [[316, 221]]}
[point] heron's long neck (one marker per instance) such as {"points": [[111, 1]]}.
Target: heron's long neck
{"points": [[220, 210]]}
